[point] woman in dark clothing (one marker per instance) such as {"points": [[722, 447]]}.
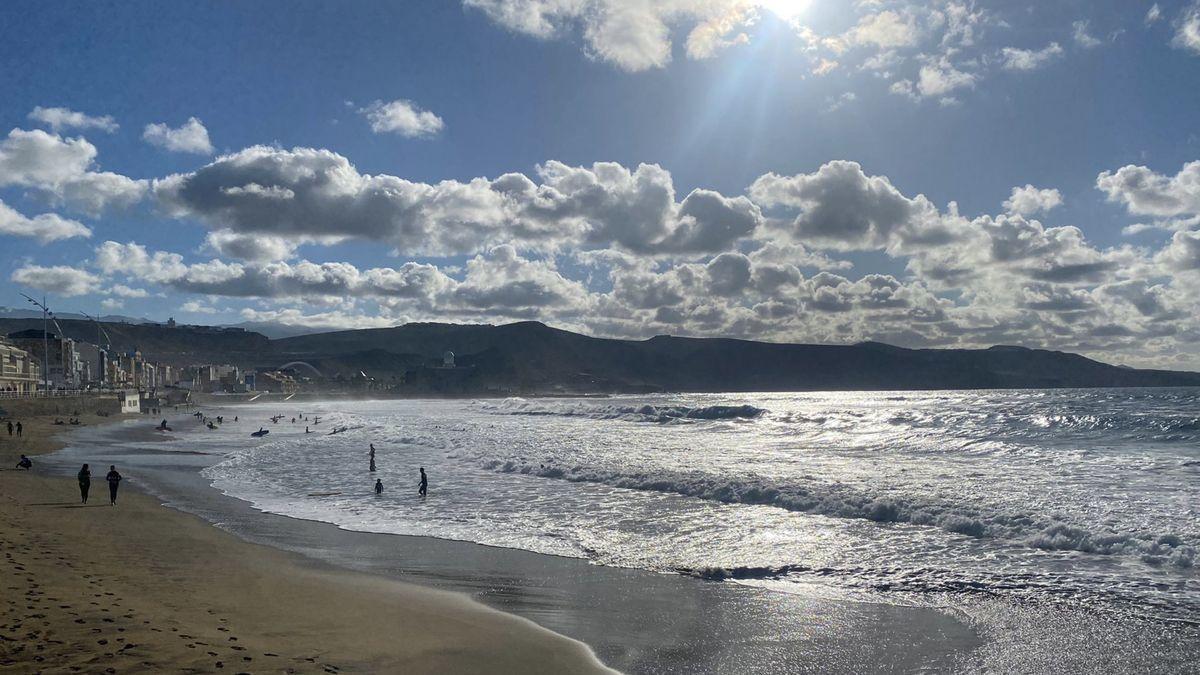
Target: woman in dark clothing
{"points": [[114, 481], [85, 482]]}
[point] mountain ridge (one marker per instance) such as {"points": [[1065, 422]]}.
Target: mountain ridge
{"points": [[531, 357]]}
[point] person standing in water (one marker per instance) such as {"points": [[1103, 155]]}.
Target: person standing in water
{"points": [[85, 483], [378, 486], [114, 481], [423, 486], [372, 457]]}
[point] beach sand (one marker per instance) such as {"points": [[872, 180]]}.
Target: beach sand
{"points": [[142, 588]]}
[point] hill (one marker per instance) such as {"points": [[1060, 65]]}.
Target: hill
{"points": [[533, 357], [530, 357], [177, 346]]}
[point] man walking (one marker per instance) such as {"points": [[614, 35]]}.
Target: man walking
{"points": [[114, 481]]}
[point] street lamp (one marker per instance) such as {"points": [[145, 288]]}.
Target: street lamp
{"points": [[45, 339]]}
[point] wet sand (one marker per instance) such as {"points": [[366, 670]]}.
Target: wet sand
{"points": [[143, 588]]}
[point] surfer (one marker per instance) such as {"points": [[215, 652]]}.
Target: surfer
{"points": [[423, 486], [378, 486], [372, 457], [25, 463]]}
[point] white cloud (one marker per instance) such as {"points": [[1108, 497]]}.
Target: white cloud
{"points": [[59, 280], [252, 247], [1081, 35], [1187, 29], [1153, 14], [939, 79], [1144, 192], [127, 292], [63, 170], [1030, 59], [112, 303], [191, 137], [193, 307], [317, 193], [841, 207], [403, 118], [886, 30], [59, 119], [46, 227], [1030, 200]]}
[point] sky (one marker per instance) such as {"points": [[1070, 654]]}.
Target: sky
{"points": [[943, 173]]}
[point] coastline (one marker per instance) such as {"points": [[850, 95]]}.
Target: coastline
{"points": [[634, 620], [141, 587]]}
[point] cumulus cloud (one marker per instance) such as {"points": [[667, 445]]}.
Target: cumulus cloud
{"points": [[886, 29], [46, 227], [317, 193], [59, 280], [1029, 200], [251, 247], [190, 137], [59, 119], [64, 170], [1145, 192], [839, 206], [1030, 59], [633, 35], [402, 117]]}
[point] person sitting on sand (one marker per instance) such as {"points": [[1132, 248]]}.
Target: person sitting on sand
{"points": [[423, 486], [85, 483], [25, 463], [378, 486], [114, 481]]}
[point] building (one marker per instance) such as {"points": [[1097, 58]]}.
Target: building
{"points": [[96, 370], [130, 400], [63, 364], [19, 371], [275, 382]]}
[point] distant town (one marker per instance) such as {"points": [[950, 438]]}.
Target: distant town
{"points": [[39, 362]]}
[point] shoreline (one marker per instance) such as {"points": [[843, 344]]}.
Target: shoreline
{"points": [[634, 620], [142, 586]]}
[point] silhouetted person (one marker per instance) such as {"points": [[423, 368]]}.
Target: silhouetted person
{"points": [[85, 482], [20, 430], [306, 430], [423, 486], [378, 486], [25, 463], [10, 428], [114, 481]]}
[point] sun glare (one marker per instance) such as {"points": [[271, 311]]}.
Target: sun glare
{"points": [[784, 9]]}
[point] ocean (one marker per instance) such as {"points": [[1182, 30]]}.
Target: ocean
{"points": [[1068, 516]]}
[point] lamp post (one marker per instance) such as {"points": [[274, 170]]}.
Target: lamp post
{"points": [[45, 339]]}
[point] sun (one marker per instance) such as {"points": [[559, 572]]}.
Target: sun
{"points": [[784, 9]]}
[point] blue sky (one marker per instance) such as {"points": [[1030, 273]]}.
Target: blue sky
{"points": [[810, 128]]}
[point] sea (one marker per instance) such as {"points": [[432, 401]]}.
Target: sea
{"points": [[1081, 507]]}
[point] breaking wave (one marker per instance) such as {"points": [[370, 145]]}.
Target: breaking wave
{"points": [[841, 501], [661, 414]]}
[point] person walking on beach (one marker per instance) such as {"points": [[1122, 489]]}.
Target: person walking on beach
{"points": [[25, 463], [378, 486], [423, 486], [20, 430], [85, 482], [114, 481], [10, 428]]}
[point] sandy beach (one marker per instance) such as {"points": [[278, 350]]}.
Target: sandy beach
{"points": [[143, 588]]}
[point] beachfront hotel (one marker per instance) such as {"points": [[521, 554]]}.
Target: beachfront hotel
{"points": [[19, 371]]}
